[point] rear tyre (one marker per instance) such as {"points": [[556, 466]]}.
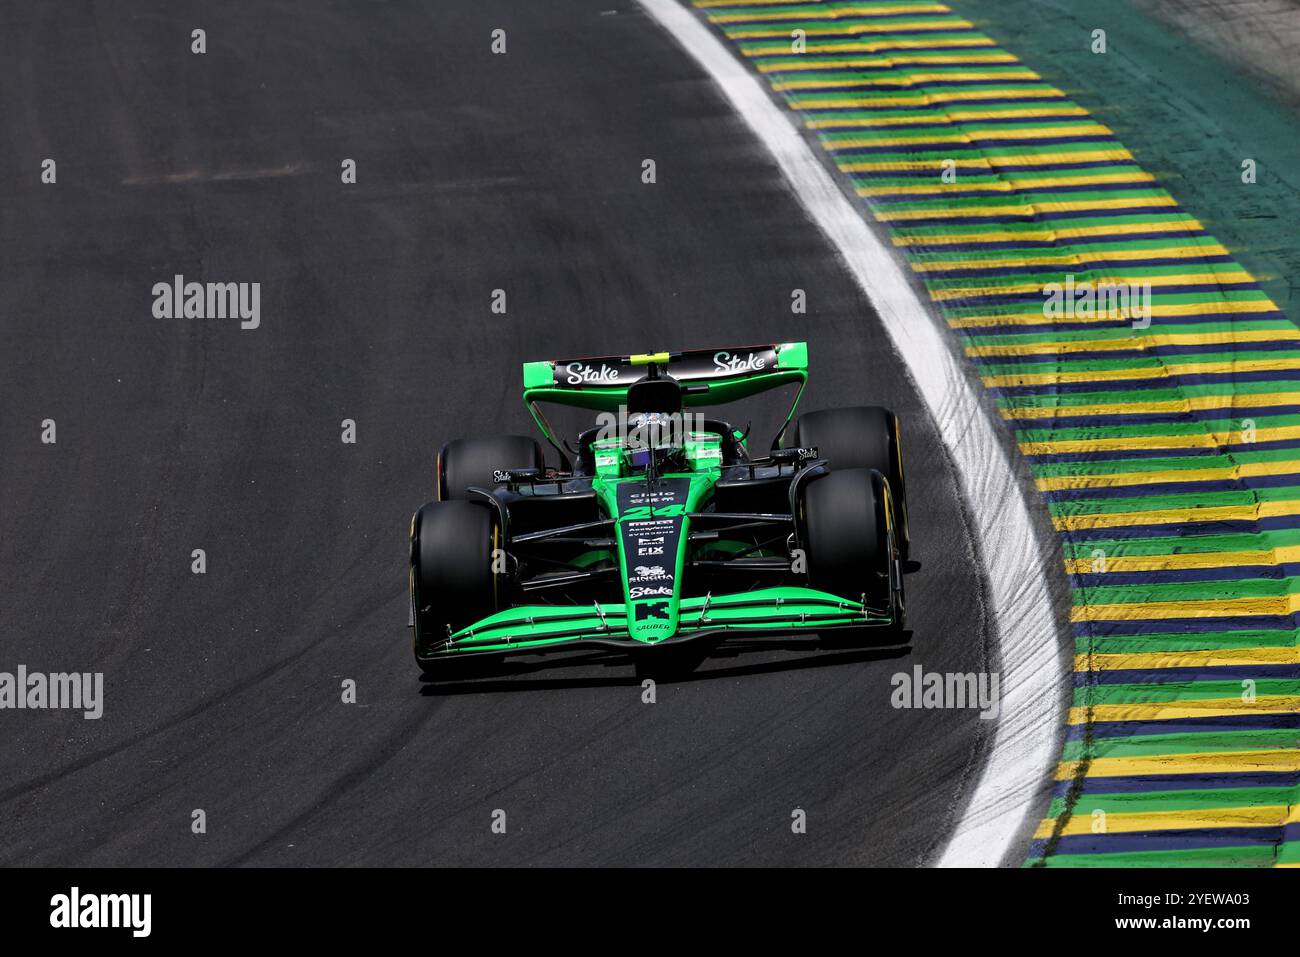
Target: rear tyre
{"points": [[466, 463], [452, 582], [850, 539], [861, 437]]}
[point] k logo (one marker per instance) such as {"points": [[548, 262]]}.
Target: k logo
{"points": [[652, 609]]}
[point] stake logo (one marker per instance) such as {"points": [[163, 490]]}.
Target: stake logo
{"points": [[730, 364], [579, 373], [646, 591]]}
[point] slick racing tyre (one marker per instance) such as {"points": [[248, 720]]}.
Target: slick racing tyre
{"points": [[862, 437], [851, 545], [452, 580], [471, 462]]}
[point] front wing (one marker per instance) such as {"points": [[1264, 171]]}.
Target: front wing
{"points": [[538, 628]]}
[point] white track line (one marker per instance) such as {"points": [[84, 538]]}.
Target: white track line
{"points": [[1025, 739]]}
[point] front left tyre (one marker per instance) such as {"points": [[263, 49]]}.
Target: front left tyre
{"points": [[452, 581], [472, 463]]}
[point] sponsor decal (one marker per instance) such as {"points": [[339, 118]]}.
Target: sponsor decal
{"points": [[650, 550], [634, 495], [648, 590], [649, 573], [652, 609], [579, 373], [729, 364], [642, 498], [689, 366], [648, 539]]}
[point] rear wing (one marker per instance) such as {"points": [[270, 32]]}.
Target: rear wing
{"points": [[713, 376]]}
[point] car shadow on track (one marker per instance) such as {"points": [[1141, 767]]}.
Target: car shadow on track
{"points": [[676, 665]]}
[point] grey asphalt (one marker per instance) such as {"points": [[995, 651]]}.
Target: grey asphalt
{"points": [[1259, 38], [475, 172]]}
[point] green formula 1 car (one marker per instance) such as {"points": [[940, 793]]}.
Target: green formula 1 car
{"points": [[659, 526]]}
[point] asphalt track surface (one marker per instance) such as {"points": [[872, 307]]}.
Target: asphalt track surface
{"points": [[475, 172]]}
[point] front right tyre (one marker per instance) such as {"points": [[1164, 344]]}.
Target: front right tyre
{"points": [[861, 437], [851, 541]]}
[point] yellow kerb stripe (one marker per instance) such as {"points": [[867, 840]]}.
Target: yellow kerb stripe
{"points": [[1197, 763], [905, 78], [1001, 287], [958, 135], [891, 8], [885, 62], [866, 46], [1119, 823], [1201, 440], [1288, 655], [1199, 608], [999, 260], [1006, 186], [1163, 563], [1035, 317], [1059, 482], [916, 100], [1174, 710], [866, 29], [827, 13], [954, 117], [1041, 235], [989, 163], [1197, 402], [1128, 341]]}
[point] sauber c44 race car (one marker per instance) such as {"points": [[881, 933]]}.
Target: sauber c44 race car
{"points": [[659, 525]]}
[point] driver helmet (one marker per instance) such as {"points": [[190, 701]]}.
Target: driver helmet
{"points": [[650, 430]]}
